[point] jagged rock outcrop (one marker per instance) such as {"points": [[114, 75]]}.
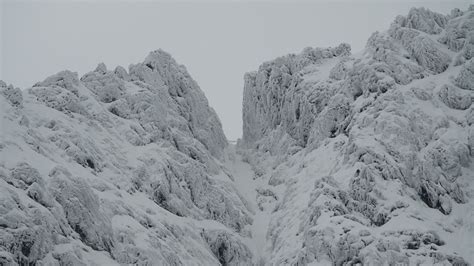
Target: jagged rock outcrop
{"points": [[465, 78], [228, 249], [116, 167], [351, 159], [267, 108], [371, 154]]}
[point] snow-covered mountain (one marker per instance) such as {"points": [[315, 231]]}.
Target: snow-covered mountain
{"points": [[367, 158], [116, 167], [345, 159]]}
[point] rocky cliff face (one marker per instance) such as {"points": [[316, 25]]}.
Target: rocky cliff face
{"points": [[345, 159], [368, 157], [116, 168]]}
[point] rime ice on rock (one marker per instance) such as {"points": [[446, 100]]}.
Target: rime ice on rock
{"points": [[116, 168], [363, 159], [372, 152]]}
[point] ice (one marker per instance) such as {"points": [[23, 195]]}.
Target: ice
{"points": [[371, 164], [345, 159]]}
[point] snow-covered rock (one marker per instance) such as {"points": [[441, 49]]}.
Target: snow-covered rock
{"points": [[369, 155], [455, 98], [116, 167], [13, 95], [228, 249], [424, 20], [267, 108], [465, 78], [346, 159]]}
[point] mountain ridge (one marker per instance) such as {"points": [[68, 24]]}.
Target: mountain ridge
{"points": [[361, 148], [345, 159], [120, 166]]}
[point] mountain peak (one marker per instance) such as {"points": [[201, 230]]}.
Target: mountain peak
{"points": [[346, 159]]}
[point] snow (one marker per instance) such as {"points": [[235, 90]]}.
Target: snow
{"points": [[121, 186], [247, 184], [362, 158], [371, 149]]}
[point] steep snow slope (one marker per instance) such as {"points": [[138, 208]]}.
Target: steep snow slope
{"points": [[255, 191], [369, 157], [345, 159], [116, 167]]}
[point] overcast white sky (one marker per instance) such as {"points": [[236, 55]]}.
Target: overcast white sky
{"points": [[217, 41]]}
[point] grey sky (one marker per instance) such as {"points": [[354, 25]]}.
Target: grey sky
{"points": [[217, 42]]}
